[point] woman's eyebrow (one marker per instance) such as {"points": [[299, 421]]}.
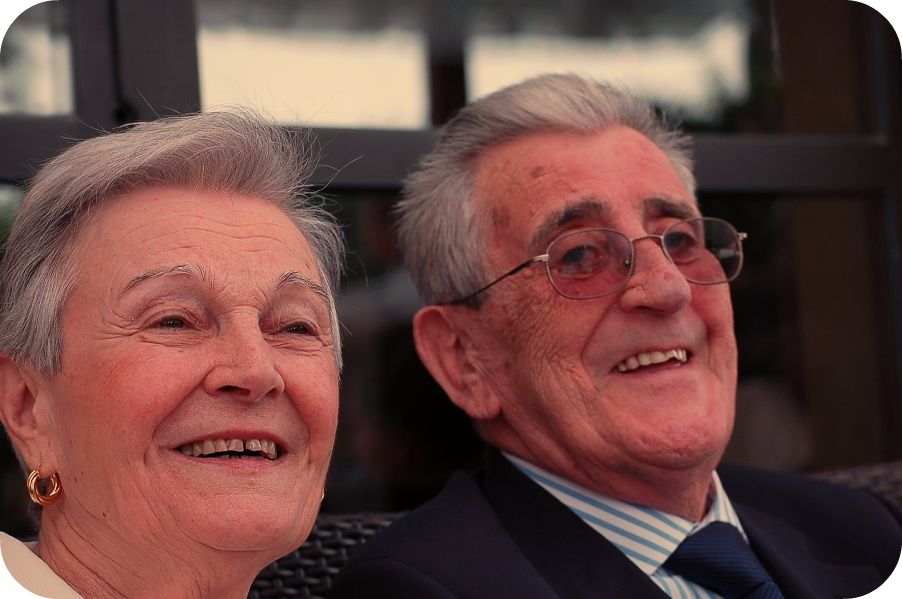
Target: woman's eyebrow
{"points": [[179, 270], [296, 279]]}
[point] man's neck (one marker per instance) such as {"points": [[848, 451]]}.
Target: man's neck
{"points": [[682, 492]]}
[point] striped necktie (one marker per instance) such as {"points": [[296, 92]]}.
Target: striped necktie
{"points": [[718, 558]]}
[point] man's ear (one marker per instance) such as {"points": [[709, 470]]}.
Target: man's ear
{"points": [[451, 358], [26, 428]]}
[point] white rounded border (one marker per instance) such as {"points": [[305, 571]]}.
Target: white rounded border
{"points": [[892, 586], [10, 11], [9, 586], [891, 11]]}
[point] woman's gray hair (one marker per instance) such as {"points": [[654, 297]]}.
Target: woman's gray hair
{"points": [[233, 152], [436, 226]]}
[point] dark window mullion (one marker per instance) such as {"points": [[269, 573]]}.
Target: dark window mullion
{"points": [[793, 164], [446, 30], [786, 164], [32, 140], [156, 58], [93, 62]]}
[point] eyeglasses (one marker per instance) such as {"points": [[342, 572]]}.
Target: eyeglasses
{"points": [[591, 263]]}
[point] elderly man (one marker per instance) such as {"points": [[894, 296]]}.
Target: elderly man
{"points": [[578, 311]]}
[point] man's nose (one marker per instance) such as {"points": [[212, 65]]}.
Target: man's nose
{"points": [[243, 366], [656, 283]]}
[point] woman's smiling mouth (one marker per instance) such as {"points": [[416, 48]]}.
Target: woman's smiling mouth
{"points": [[231, 448]]}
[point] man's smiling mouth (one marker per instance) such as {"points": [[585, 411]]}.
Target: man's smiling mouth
{"points": [[653, 357], [232, 448]]}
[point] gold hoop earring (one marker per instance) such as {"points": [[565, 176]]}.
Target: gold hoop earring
{"points": [[34, 492]]}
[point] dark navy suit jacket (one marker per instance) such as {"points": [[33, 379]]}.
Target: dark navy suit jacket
{"points": [[496, 534]]}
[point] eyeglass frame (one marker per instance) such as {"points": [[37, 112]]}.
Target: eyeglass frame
{"points": [[546, 257]]}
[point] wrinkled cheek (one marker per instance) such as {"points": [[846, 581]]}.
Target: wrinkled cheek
{"points": [[319, 419], [725, 355]]}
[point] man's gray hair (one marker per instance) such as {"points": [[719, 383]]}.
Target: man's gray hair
{"points": [[437, 230], [233, 152]]}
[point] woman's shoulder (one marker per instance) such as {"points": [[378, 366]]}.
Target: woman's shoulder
{"points": [[20, 566]]}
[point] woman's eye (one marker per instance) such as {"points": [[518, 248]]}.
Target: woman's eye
{"points": [[298, 328], [172, 322]]}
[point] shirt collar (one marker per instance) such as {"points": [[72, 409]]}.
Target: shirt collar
{"points": [[646, 536]]}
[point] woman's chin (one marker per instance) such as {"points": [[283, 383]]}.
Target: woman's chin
{"points": [[251, 524]]}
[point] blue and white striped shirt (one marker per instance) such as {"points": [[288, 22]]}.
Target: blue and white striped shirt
{"points": [[645, 535]]}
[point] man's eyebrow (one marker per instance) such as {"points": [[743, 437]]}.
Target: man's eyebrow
{"points": [[669, 208], [182, 270], [588, 207], [293, 278]]}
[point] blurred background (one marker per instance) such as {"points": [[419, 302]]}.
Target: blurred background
{"points": [[796, 110]]}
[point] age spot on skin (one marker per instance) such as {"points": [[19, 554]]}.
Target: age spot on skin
{"points": [[537, 172], [501, 218]]}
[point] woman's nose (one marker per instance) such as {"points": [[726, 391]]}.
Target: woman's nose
{"points": [[243, 366]]}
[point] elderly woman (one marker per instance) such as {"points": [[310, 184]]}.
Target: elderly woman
{"points": [[170, 359]]}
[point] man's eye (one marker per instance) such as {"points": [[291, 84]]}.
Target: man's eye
{"points": [[578, 254], [681, 242], [582, 259]]}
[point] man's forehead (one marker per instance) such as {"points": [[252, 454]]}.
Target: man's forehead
{"points": [[527, 187]]}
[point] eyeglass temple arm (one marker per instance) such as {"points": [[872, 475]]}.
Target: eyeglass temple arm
{"points": [[513, 271]]}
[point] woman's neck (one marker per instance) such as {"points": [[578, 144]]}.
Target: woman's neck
{"points": [[99, 561]]}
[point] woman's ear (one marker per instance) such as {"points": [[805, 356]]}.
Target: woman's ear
{"points": [[27, 428], [446, 351]]}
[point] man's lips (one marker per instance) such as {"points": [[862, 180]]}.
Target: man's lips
{"points": [[643, 359]]}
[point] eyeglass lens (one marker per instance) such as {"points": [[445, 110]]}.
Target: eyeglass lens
{"points": [[594, 262]]}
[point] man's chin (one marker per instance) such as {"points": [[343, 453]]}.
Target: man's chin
{"points": [[686, 450]]}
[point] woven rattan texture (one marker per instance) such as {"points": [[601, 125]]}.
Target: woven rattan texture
{"points": [[883, 479], [308, 571]]}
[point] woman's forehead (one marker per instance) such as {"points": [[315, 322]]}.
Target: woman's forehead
{"points": [[151, 232]]}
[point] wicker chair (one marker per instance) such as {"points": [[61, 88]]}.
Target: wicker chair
{"points": [[884, 480], [308, 571]]}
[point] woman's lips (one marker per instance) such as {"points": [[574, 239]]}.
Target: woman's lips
{"points": [[231, 448]]}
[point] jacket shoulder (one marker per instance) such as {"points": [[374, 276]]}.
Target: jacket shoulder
{"points": [[451, 546], [839, 523]]}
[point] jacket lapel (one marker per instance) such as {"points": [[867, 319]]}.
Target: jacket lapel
{"points": [[573, 558]]}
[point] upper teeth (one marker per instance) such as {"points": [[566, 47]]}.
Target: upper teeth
{"points": [[652, 357], [210, 446]]}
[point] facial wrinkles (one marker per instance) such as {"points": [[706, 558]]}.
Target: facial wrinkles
{"points": [[514, 300], [114, 402], [538, 184], [564, 397], [240, 283], [540, 357], [507, 180]]}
